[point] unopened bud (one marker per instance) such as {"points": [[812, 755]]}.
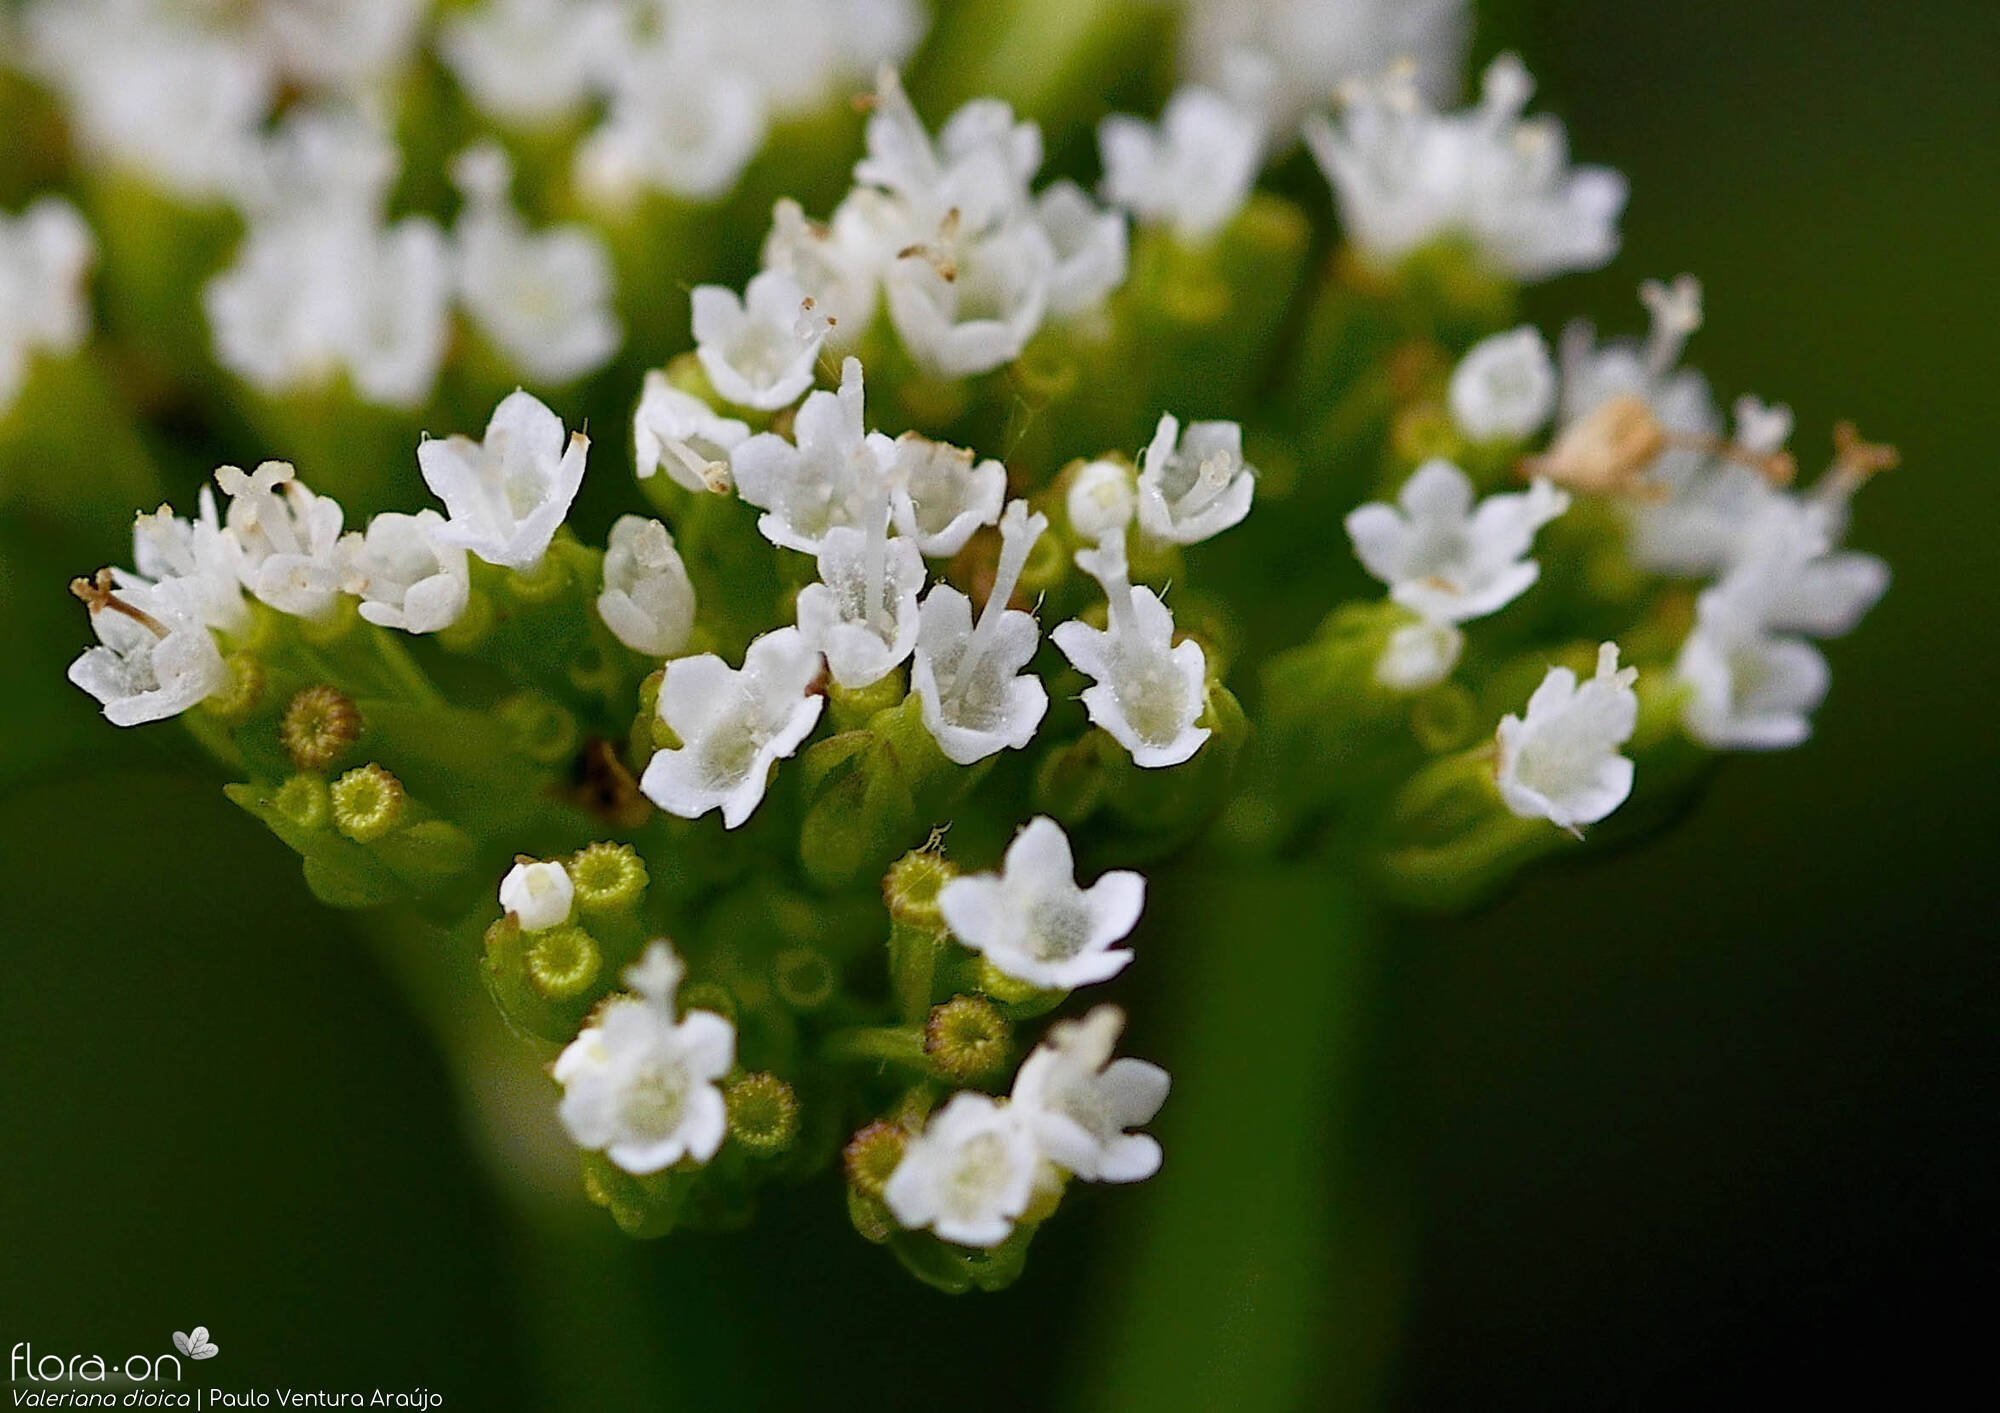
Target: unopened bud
{"points": [[913, 884], [304, 800], [608, 876], [541, 730], [872, 1155], [235, 702], [562, 962], [763, 1114], [967, 1039], [804, 977], [368, 802], [321, 725], [710, 996]]}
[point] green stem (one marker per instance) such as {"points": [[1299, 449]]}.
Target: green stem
{"points": [[895, 1044], [1254, 1277]]}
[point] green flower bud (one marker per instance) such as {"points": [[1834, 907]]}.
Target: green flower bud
{"points": [[541, 729], [710, 996], [368, 802], [321, 724], [234, 704], [805, 978], [967, 1039], [305, 801], [872, 1155], [608, 877], [562, 962], [763, 1114], [1446, 718], [851, 708], [913, 883], [871, 1219]]}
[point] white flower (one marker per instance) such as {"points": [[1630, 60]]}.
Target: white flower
{"points": [[1101, 500], [830, 474], [176, 105], [509, 493], [156, 658], [1560, 762], [291, 553], [1419, 655], [979, 167], [648, 601], [1442, 556], [1079, 1102], [530, 63], [1505, 387], [45, 253], [975, 696], [1748, 689], [863, 612], [537, 894], [640, 1085], [406, 574], [676, 125], [207, 562], [734, 725], [341, 42], [1302, 50], [1784, 569], [753, 348], [1033, 923], [838, 265], [1193, 172], [678, 431], [1147, 692], [798, 52], [1406, 177], [966, 304], [968, 1175], [544, 299], [1090, 247], [1193, 486], [941, 495]]}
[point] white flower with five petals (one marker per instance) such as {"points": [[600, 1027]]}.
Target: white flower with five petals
{"points": [[1033, 922], [508, 493], [1193, 485], [753, 346], [1560, 760], [972, 689], [406, 574], [968, 1175], [1080, 1103]]}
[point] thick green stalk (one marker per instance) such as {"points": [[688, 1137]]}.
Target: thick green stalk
{"points": [[1250, 1274]]}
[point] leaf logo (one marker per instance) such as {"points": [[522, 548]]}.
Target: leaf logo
{"points": [[196, 1345]]}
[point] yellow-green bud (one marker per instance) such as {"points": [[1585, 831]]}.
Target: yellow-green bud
{"points": [[763, 1114], [304, 800], [368, 802], [913, 884], [872, 1155], [967, 1039], [608, 876], [804, 977], [562, 962], [245, 690]]}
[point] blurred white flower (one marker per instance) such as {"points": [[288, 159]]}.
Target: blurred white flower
{"points": [[1504, 388], [1192, 172], [1079, 1103], [45, 254], [1560, 760]]}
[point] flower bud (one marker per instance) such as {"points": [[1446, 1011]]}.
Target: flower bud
{"points": [[607, 878], [763, 1114], [804, 977], [967, 1039], [305, 801], [368, 802], [872, 1155], [321, 724]]}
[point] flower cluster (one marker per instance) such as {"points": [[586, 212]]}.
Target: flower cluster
{"points": [[785, 785]]}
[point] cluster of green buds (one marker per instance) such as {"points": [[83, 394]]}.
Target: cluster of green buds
{"points": [[784, 788]]}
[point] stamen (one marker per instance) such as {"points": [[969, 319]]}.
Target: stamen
{"points": [[1856, 461], [97, 595]]}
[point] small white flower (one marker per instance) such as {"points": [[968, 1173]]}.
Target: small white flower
{"points": [[734, 726], [1748, 689], [156, 658], [830, 474], [1031, 920], [206, 561], [530, 63], [1192, 172], [1101, 500], [341, 43], [640, 1085], [292, 557], [1784, 569], [648, 601], [1299, 51], [509, 493], [537, 894], [1445, 558], [406, 574], [979, 167], [1147, 692], [863, 612], [1406, 177], [839, 265], [1090, 246], [752, 347], [678, 431], [1560, 762], [544, 299], [1193, 486], [969, 677], [1079, 1102], [45, 253], [966, 304], [1505, 387], [676, 125], [1419, 655], [968, 1175], [941, 495]]}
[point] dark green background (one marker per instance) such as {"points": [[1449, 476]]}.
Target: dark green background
{"points": [[1716, 1111]]}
